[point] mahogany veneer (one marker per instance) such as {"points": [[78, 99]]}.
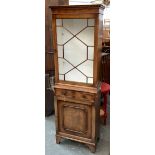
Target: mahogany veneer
{"points": [[77, 107]]}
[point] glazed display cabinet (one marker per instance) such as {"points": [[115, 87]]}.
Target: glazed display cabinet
{"points": [[77, 42]]}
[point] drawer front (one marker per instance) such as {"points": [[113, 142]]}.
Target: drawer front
{"points": [[75, 95]]}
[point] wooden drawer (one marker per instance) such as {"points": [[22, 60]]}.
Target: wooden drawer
{"points": [[75, 95]]}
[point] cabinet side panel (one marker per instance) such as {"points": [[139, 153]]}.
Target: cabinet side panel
{"points": [[54, 43], [100, 38]]}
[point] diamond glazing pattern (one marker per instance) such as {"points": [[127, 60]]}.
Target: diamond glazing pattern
{"points": [[75, 44]]}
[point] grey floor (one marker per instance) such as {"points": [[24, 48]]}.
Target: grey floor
{"points": [[68, 147]]}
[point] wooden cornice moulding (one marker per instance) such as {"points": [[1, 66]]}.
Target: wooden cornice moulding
{"points": [[78, 9]]}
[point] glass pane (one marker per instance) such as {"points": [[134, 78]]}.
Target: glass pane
{"points": [[75, 76], [75, 25], [75, 44], [59, 22], [64, 66], [91, 22], [60, 51], [63, 35], [90, 80], [87, 68], [61, 77], [87, 36], [91, 53], [75, 51]]}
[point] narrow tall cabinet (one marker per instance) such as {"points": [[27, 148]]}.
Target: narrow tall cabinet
{"points": [[77, 42]]}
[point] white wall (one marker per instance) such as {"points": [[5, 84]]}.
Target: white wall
{"points": [[86, 2], [79, 2]]}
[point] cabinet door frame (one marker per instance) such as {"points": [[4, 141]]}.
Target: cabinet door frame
{"points": [[54, 33]]}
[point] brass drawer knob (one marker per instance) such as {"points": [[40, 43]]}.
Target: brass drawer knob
{"points": [[84, 96]]}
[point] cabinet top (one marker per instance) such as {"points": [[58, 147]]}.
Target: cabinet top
{"points": [[77, 6], [77, 9]]}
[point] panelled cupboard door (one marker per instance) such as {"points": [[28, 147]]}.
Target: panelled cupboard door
{"points": [[74, 119]]}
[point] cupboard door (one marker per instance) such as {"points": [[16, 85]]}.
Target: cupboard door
{"points": [[74, 119], [75, 46]]}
